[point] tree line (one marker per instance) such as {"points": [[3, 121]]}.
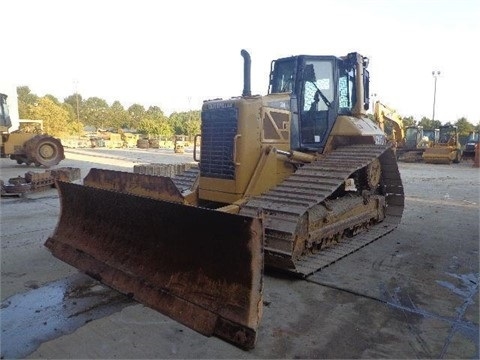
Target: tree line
{"points": [[464, 127], [74, 113], [70, 116]]}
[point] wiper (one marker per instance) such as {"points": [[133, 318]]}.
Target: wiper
{"points": [[324, 98]]}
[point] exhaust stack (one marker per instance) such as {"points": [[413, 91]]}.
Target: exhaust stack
{"points": [[246, 73]]}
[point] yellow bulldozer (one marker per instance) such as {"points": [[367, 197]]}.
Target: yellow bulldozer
{"points": [[29, 144], [447, 149], [417, 140], [293, 180]]}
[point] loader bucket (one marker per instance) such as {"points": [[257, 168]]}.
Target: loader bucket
{"points": [[201, 267]]}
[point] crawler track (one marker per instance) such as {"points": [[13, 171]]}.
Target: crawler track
{"points": [[186, 180], [287, 206]]}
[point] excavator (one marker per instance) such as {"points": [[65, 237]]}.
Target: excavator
{"points": [[447, 149], [29, 147], [294, 180], [382, 114]]}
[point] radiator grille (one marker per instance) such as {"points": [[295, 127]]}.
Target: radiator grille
{"points": [[219, 127]]}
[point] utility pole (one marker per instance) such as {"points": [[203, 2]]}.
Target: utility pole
{"points": [[76, 95], [435, 75]]}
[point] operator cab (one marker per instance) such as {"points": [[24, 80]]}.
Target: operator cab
{"points": [[322, 88], [5, 120], [448, 133], [413, 136]]}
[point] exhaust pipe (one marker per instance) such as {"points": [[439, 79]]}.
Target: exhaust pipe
{"points": [[246, 73]]}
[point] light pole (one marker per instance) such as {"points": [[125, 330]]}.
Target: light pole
{"points": [[435, 75], [374, 98], [76, 95]]}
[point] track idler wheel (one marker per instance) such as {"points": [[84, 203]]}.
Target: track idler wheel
{"points": [[44, 150]]}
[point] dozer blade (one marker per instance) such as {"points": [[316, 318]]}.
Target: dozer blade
{"points": [[439, 155], [157, 187], [201, 267]]}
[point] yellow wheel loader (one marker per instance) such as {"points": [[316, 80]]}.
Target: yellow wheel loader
{"points": [[29, 147], [447, 149], [293, 180]]}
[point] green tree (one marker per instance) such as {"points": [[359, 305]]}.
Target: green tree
{"points": [[94, 112], [71, 112], [53, 98], [155, 127], [117, 116], [464, 126], [25, 99], [74, 126], [136, 113], [55, 117], [192, 124], [75, 101], [429, 124], [175, 120], [409, 121], [24, 94], [154, 112], [164, 128], [185, 123]]}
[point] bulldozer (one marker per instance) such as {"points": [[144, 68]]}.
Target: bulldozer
{"points": [[447, 149], [28, 145], [417, 140], [294, 180]]}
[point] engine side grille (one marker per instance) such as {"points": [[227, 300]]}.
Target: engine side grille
{"points": [[219, 127]]}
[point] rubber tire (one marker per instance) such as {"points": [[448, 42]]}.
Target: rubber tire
{"points": [[36, 150]]}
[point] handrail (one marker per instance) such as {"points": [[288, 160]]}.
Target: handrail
{"points": [[195, 147], [235, 149]]}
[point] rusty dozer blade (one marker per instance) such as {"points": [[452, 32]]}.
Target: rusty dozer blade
{"points": [[157, 187], [201, 267]]}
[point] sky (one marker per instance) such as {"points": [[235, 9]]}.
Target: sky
{"points": [[176, 54]]}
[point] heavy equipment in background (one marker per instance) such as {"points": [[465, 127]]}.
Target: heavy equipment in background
{"points": [[417, 140], [470, 145], [390, 122], [179, 144], [409, 142], [293, 180], [28, 144], [447, 149]]}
